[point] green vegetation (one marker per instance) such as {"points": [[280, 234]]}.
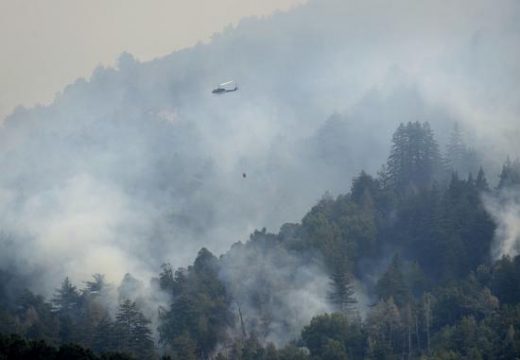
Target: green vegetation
{"points": [[416, 241]]}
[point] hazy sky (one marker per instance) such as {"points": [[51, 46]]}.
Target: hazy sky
{"points": [[46, 44]]}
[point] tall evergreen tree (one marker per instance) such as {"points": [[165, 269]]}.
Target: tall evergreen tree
{"points": [[96, 285], [343, 294], [481, 181], [200, 310], [103, 338], [414, 160], [510, 175], [455, 149], [132, 330], [459, 157], [67, 304], [67, 298], [393, 285]]}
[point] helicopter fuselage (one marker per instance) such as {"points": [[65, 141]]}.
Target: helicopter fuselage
{"points": [[223, 91]]}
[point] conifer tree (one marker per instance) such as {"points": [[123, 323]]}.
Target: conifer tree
{"points": [[132, 331], [414, 160], [459, 157], [103, 339], [392, 284], [481, 181], [67, 298], [67, 304], [342, 294], [510, 175]]}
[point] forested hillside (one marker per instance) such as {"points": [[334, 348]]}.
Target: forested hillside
{"points": [[357, 197], [140, 164], [399, 267]]}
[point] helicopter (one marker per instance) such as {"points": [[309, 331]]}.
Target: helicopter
{"points": [[228, 86]]}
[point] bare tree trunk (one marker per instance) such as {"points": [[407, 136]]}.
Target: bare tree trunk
{"points": [[428, 316], [417, 339], [409, 330], [242, 326]]}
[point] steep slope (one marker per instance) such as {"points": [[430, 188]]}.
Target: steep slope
{"points": [[142, 164]]}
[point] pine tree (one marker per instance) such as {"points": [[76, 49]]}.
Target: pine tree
{"points": [[132, 331], [96, 285], [392, 284], [481, 182], [455, 149], [342, 294], [103, 337], [166, 278], [67, 304], [510, 175], [200, 308], [67, 298], [414, 160], [459, 157], [396, 164]]}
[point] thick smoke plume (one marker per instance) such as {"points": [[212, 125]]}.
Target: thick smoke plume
{"points": [[505, 209], [276, 292], [141, 164]]}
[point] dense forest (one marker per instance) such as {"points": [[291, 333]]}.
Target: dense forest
{"points": [[411, 263]]}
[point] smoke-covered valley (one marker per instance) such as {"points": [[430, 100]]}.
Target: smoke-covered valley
{"points": [[141, 164]]}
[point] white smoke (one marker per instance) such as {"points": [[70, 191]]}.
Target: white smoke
{"points": [[141, 164], [278, 292], [505, 210]]}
